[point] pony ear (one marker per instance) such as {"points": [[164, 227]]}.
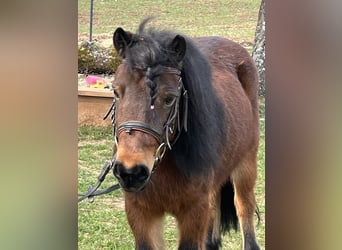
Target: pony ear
{"points": [[178, 46], [121, 39]]}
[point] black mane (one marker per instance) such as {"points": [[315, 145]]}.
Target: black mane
{"points": [[198, 149]]}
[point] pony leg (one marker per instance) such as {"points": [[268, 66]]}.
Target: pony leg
{"points": [[193, 226], [147, 228], [213, 241], [244, 177]]}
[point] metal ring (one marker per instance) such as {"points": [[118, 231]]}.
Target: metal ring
{"points": [[160, 152]]}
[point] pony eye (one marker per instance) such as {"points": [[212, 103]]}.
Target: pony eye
{"points": [[169, 100]]}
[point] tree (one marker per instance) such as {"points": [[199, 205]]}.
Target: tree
{"points": [[259, 48]]}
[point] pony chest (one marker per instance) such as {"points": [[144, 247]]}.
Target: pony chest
{"points": [[171, 194]]}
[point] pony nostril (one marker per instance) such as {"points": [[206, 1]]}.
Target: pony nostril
{"points": [[142, 172], [118, 170]]}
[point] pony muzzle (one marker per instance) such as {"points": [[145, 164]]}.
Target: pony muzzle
{"points": [[133, 179]]}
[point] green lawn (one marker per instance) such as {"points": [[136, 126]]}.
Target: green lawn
{"points": [[234, 19], [102, 224]]}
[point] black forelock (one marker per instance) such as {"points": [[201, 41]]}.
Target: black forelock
{"points": [[150, 48], [149, 51]]}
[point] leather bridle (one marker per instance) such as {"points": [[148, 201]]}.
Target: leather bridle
{"points": [[171, 126]]}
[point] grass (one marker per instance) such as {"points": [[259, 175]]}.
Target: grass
{"points": [[234, 19], [103, 224]]}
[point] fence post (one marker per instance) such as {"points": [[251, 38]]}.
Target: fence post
{"points": [[91, 20]]}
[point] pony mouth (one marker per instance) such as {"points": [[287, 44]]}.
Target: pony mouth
{"points": [[134, 189], [134, 186]]}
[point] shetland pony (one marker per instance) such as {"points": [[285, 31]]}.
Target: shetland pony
{"points": [[186, 131]]}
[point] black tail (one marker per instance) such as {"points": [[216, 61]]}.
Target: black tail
{"points": [[229, 219]]}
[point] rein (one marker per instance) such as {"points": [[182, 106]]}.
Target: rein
{"points": [[163, 137], [92, 190]]}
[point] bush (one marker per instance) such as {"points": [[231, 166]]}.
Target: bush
{"points": [[93, 58]]}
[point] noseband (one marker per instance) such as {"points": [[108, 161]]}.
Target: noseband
{"points": [[139, 126], [163, 137]]}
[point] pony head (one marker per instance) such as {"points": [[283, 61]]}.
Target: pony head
{"points": [[148, 90]]}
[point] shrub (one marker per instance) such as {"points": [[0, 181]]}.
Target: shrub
{"points": [[93, 58]]}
